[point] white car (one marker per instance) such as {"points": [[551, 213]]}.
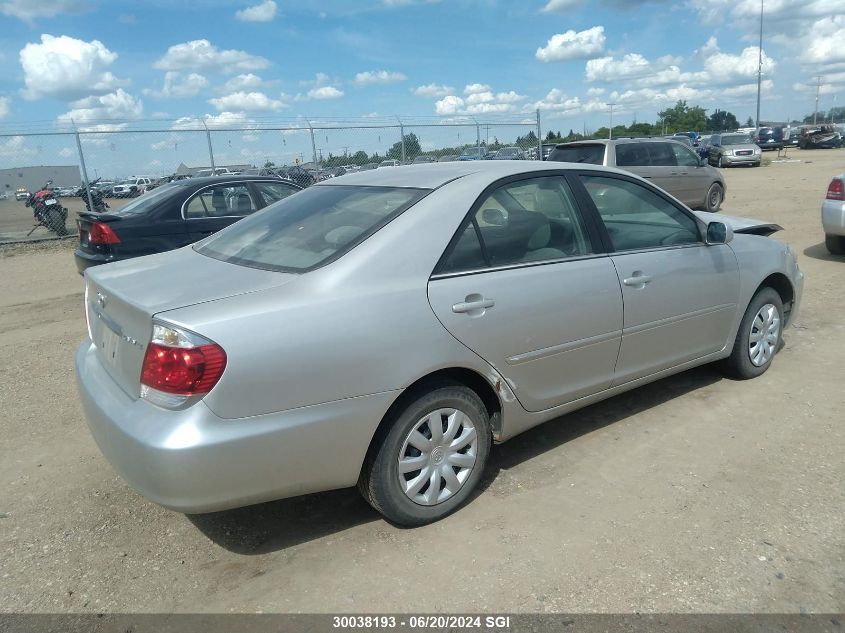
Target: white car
{"points": [[131, 187], [833, 216]]}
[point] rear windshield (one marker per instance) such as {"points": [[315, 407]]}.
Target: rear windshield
{"points": [[146, 201], [309, 228], [591, 154]]}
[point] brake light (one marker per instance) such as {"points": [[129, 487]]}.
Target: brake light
{"points": [[836, 190], [178, 365], [102, 233]]}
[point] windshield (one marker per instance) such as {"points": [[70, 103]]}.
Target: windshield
{"points": [[471, 151], [309, 228], [735, 139], [591, 154], [143, 203]]}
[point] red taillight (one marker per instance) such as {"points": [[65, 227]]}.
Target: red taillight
{"points": [[184, 371], [836, 190], [102, 233]]}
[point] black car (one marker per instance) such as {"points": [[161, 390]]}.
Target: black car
{"points": [[297, 175], [770, 138], [173, 215]]}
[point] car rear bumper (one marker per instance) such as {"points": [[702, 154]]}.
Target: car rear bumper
{"points": [[86, 260], [193, 461], [833, 217]]}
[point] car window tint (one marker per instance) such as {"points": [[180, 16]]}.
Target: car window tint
{"points": [[221, 201], [661, 154], [525, 221], [632, 154], [592, 154], [637, 217], [272, 192], [465, 254], [684, 156], [306, 230]]}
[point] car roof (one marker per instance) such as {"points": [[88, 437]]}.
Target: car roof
{"points": [[434, 175], [211, 180], [627, 139]]}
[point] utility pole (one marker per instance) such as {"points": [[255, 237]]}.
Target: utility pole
{"points": [[759, 69], [818, 89], [610, 131]]}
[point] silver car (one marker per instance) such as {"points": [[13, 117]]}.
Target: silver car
{"points": [[833, 216], [385, 328], [729, 150], [668, 163]]}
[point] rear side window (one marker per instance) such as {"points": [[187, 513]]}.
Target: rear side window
{"points": [[221, 201], [274, 191], [661, 154], [149, 200], [591, 154], [632, 155], [310, 228]]}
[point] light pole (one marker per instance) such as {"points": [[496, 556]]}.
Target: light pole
{"points": [[610, 131], [818, 89], [759, 68]]}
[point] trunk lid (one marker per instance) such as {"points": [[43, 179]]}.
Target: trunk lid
{"points": [[122, 298]]}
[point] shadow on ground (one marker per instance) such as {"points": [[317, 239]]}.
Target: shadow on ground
{"points": [[819, 251], [277, 525]]}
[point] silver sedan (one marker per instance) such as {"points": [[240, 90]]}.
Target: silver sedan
{"points": [[384, 328]]}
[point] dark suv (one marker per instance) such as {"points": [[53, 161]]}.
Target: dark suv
{"points": [[672, 166], [769, 138]]}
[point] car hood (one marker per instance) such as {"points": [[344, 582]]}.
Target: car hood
{"points": [[741, 225], [180, 278]]}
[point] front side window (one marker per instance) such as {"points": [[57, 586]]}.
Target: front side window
{"points": [[221, 201], [685, 157], [524, 221], [636, 217], [311, 228]]}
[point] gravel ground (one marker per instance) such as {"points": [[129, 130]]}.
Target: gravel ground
{"points": [[693, 494]]}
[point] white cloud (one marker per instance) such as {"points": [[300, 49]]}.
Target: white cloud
{"points": [[325, 92], [264, 12], [115, 105], [474, 88], [243, 82], [433, 90], [559, 101], [65, 67], [5, 108], [725, 68], [15, 147], [28, 10], [372, 77], [450, 104], [67, 152], [825, 46], [640, 72], [203, 55], [573, 45], [249, 101], [560, 6], [178, 86], [224, 119]]}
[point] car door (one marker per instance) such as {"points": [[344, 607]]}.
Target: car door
{"points": [[646, 161], [692, 179], [215, 207], [524, 285], [665, 167], [680, 294]]}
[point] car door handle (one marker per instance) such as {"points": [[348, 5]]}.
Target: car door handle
{"points": [[472, 305], [637, 280]]}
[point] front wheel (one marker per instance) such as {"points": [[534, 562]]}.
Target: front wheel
{"points": [[759, 336], [720, 163], [715, 195], [431, 458]]}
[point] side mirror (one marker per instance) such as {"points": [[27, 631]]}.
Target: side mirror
{"points": [[493, 217], [719, 233]]}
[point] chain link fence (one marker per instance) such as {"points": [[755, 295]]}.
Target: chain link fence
{"points": [[120, 160]]}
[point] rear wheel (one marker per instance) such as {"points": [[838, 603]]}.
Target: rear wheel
{"points": [[835, 244], [431, 458], [55, 221], [759, 336], [715, 195]]}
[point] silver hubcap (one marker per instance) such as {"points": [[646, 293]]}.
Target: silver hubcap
{"points": [[438, 456], [765, 333], [715, 197]]}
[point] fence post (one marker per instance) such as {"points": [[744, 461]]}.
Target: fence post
{"points": [[402, 138], [84, 170], [313, 147], [539, 138], [477, 138], [210, 151]]}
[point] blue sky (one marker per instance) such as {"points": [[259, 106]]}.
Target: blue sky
{"points": [[104, 62]]}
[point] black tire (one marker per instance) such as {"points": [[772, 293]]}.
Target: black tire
{"points": [[755, 164], [379, 482], [835, 244], [715, 196], [56, 222], [738, 364], [719, 163]]}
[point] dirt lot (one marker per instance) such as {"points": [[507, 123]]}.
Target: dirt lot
{"points": [[696, 493], [16, 218]]}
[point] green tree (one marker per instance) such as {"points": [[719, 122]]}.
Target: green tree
{"points": [[750, 122], [551, 137], [360, 158], [412, 148], [722, 120], [682, 118], [269, 164]]}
